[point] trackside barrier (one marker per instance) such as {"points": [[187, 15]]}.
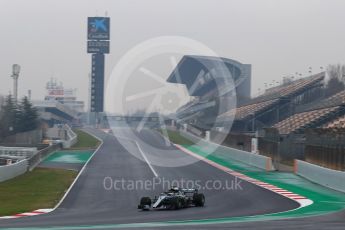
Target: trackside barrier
{"points": [[327, 177], [40, 155], [225, 152], [13, 170], [10, 171]]}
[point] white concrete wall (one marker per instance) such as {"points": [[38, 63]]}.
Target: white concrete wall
{"points": [[327, 177], [249, 158], [10, 171]]}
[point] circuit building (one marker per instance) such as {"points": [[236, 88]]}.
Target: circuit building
{"points": [[215, 84]]}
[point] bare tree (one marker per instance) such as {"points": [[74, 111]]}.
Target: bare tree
{"points": [[343, 73], [336, 79], [2, 100], [336, 71]]}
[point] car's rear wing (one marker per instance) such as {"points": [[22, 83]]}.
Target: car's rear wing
{"points": [[189, 190]]}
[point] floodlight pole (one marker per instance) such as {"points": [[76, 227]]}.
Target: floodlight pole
{"points": [[15, 87], [15, 76]]}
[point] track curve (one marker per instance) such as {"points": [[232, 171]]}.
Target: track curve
{"points": [[89, 203]]}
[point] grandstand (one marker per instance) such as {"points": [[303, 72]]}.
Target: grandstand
{"points": [[213, 83], [326, 113], [274, 105], [297, 138], [292, 89], [283, 120], [284, 114], [335, 100], [246, 111], [311, 119], [338, 123]]}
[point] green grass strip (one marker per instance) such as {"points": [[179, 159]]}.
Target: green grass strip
{"points": [[40, 188], [85, 141]]}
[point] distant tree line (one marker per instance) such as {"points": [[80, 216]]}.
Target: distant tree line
{"points": [[17, 117]]}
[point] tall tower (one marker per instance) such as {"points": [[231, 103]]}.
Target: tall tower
{"points": [[98, 35], [15, 76]]}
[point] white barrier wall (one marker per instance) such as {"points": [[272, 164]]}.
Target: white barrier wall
{"points": [[327, 177], [225, 152], [10, 171]]}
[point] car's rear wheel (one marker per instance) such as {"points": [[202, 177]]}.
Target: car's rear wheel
{"points": [[176, 203], [179, 204], [199, 200]]}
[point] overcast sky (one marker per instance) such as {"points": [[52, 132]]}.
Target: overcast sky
{"points": [[278, 37]]}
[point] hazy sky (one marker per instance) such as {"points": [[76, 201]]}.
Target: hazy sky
{"points": [[278, 37]]}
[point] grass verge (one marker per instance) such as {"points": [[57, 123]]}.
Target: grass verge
{"points": [[85, 141], [176, 138], [41, 188]]}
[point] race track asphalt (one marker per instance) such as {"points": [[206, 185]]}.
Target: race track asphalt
{"points": [[90, 202]]}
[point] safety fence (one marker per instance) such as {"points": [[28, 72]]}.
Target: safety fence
{"points": [[326, 148]]}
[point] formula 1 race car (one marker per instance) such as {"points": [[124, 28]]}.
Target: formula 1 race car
{"points": [[175, 198]]}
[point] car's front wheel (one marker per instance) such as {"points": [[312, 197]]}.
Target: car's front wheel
{"points": [[145, 203]]}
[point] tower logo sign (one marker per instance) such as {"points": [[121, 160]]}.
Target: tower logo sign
{"points": [[98, 28]]}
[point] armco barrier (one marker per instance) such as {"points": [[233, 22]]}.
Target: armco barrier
{"points": [[10, 171], [327, 177], [224, 152]]}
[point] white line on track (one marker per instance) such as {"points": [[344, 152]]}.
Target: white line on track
{"points": [[82, 170], [145, 158], [141, 152]]}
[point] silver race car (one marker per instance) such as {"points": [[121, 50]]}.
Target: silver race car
{"points": [[175, 198]]}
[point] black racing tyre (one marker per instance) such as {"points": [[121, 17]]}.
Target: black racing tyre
{"points": [[199, 200], [145, 201], [176, 203], [179, 204]]}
